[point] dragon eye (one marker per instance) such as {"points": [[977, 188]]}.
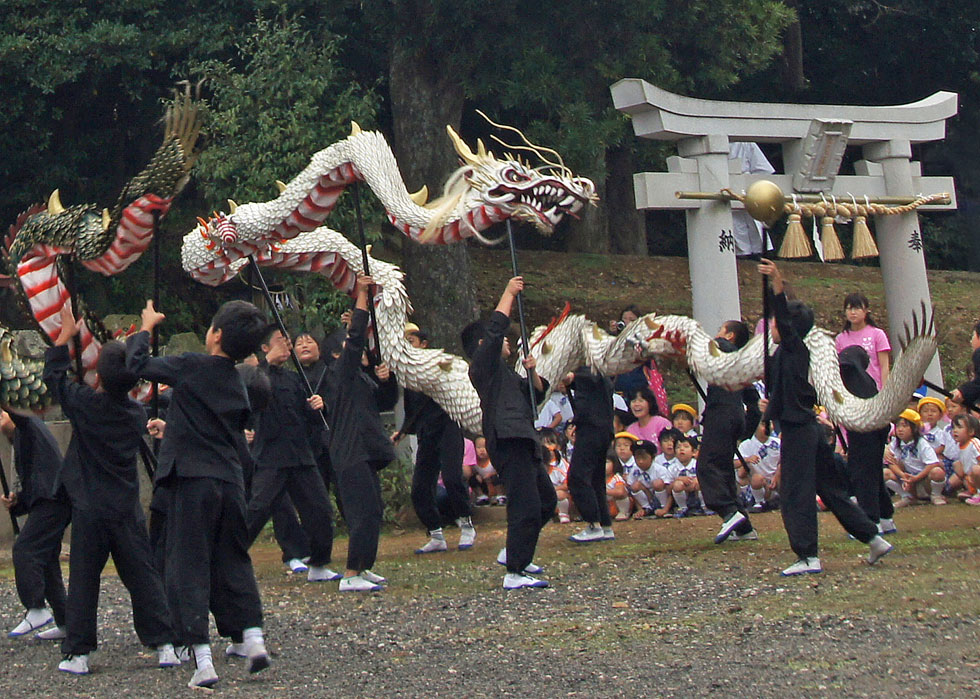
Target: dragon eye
{"points": [[512, 175]]}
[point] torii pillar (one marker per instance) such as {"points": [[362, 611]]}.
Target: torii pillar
{"points": [[703, 130]]}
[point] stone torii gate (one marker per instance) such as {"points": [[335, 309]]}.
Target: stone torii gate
{"points": [[704, 130]]}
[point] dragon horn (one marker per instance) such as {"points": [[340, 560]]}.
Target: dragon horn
{"points": [[481, 150], [232, 206], [106, 219], [54, 203], [281, 186], [421, 196], [355, 128], [462, 149]]}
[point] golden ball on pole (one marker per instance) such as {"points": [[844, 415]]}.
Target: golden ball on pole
{"points": [[764, 201]]}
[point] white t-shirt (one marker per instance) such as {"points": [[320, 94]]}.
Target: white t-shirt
{"points": [[680, 469], [557, 404], [969, 455], [768, 454], [663, 468], [938, 437], [559, 473], [637, 474], [914, 457]]}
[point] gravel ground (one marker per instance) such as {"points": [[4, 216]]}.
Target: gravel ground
{"points": [[661, 611]]}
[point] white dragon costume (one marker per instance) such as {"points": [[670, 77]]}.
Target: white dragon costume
{"points": [[285, 233]]}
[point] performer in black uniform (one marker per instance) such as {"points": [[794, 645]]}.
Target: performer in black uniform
{"points": [[590, 394]]}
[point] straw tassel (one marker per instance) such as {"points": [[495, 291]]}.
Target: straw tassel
{"points": [[832, 250], [795, 243], [864, 242]]}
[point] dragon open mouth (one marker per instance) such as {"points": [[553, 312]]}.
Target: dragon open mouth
{"points": [[543, 205]]}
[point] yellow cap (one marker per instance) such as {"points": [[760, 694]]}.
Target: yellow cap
{"points": [[686, 408], [626, 435], [931, 400], [411, 328], [911, 416]]}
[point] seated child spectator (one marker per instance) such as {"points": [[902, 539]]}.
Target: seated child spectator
{"points": [[933, 413], [557, 472], [623, 451], [761, 453], [912, 463], [569, 441], [685, 485], [684, 419], [641, 476], [648, 423], [664, 466], [950, 456], [621, 418], [966, 429], [482, 477], [617, 492]]}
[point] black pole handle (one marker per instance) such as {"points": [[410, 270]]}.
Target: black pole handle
{"points": [[520, 315], [367, 271]]}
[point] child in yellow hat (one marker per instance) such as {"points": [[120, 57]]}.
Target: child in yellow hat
{"points": [[914, 471]]}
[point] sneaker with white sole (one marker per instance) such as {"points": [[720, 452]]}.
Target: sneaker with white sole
{"points": [[322, 574], [356, 583], [904, 502], [258, 657], [515, 581], [167, 656], [531, 568], [937, 500], [467, 533], [591, 533], [729, 526], [373, 577], [974, 500], [296, 565], [434, 545], [878, 548], [32, 621], [887, 526], [501, 500], [608, 534], [235, 650], [751, 535], [55, 633], [482, 501], [804, 566], [75, 664], [204, 677]]}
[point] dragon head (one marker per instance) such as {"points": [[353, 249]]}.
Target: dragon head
{"points": [[80, 229], [540, 196]]}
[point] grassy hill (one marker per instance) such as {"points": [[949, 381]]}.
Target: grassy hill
{"points": [[600, 285]]}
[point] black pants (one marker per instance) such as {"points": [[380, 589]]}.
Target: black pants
{"points": [[359, 489], [93, 540], [721, 427], [289, 533], [36, 554], [587, 474], [440, 451], [531, 498], [865, 456], [807, 471], [308, 494], [207, 560]]}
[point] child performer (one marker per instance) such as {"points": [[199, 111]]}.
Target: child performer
{"points": [[37, 568], [285, 460], [807, 459], [723, 424], [101, 479], [508, 425], [590, 394], [359, 447], [207, 564], [440, 452]]}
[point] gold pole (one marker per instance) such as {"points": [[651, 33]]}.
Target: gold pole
{"points": [[815, 198]]}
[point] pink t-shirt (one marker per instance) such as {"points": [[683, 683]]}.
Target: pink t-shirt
{"points": [[873, 340], [469, 453], [652, 431]]}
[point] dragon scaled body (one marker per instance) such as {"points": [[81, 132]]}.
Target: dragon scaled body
{"points": [[106, 241]]}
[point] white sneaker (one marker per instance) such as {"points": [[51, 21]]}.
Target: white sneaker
{"points": [[166, 656], [530, 569], [729, 526], [33, 620], [74, 664], [467, 533], [747, 536], [937, 500], [204, 677], [296, 565], [887, 526], [258, 657], [588, 535], [322, 574], [515, 581], [55, 633], [608, 534], [373, 577], [879, 548], [434, 545], [804, 565], [235, 650], [356, 583]]}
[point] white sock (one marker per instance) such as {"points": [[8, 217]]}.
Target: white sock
{"points": [[937, 488], [36, 617], [437, 534], [701, 500], [680, 497], [202, 655], [563, 507], [894, 486], [642, 501], [252, 634], [623, 505], [464, 522], [661, 496], [759, 494]]}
